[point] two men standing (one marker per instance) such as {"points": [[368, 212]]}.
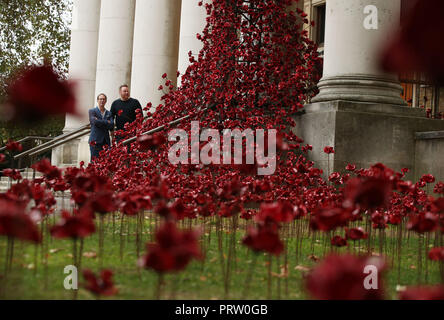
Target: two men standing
{"points": [[102, 121]]}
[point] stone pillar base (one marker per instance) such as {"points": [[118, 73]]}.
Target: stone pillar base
{"points": [[71, 153], [360, 88], [430, 153], [363, 134]]}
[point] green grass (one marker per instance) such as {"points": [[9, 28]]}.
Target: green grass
{"points": [[199, 280]]}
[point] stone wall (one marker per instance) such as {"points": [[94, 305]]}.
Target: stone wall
{"points": [[364, 134], [429, 154]]}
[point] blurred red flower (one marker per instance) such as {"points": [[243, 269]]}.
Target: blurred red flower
{"points": [[38, 92], [44, 166], [330, 218], [78, 225], [415, 47], [100, 286], [14, 174], [379, 220], [275, 212], [264, 237], [439, 187], [101, 202], [423, 222], [149, 142], [338, 241], [423, 293], [355, 234], [341, 277], [15, 223], [173, 250], [14, 146], [368, 192], [428, 178], [436, 254], [329, 150]]}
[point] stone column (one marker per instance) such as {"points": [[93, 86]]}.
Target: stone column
{"points": [[115, 47], [156, 45], [351, 70], [82, 69], [359, 111], [192, 21], [83, 57]]}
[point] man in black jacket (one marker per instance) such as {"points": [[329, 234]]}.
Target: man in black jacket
{"points": [[123, 110]]}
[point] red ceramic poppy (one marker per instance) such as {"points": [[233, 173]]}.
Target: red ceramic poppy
{"points": [[264, 238], [341, 277], [38, 92], [423, 293], [15, 223], [74, 226], [102, 285], [172, 251]]}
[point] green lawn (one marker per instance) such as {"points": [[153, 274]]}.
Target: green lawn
{"points": [[200, 280]]}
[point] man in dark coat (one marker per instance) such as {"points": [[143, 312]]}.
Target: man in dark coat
{"points": [[123, 110]]}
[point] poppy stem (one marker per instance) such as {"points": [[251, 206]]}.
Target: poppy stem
{"points": [[381, 242], [140, 220], [36, 253], [279, 278], [101, 236], [204, 245], [269, 278], [210, 230], [11, 252], [122, 220], [369, 230], [114, 224], [7, 256], [426, 259], [80, 253], [286, 262], [419, 258], [159, 285], [249, 278], [220, 246], [174, 286], [297, 241], [231, 253], [399, 248], [46, 252], [74, 259], [441, 262]]}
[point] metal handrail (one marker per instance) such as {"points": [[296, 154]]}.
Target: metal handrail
{"points": [[159, 128], [62, 139], [52, 146], [54, 141], [28, 138]]}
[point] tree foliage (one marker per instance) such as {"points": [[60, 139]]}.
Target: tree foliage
{"points": [[33, 31]]}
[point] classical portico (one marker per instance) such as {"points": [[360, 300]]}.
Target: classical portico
{"points": [[126, 41]]}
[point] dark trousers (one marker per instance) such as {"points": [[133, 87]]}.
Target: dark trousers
{"points": [[95, 150]]}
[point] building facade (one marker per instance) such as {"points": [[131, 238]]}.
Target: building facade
{"points": [[360, 110]]}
